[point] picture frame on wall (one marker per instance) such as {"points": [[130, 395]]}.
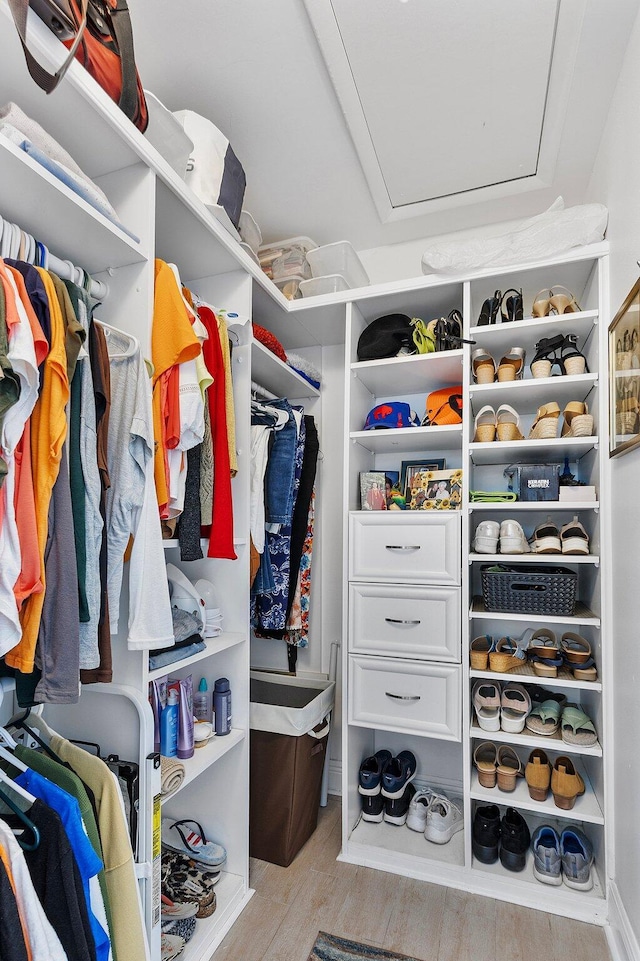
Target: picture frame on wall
{"points": [[409, 468], [624, 375]]}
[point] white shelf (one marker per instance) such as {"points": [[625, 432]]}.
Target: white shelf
{"points": [[498, 338], [531, 451], [204, 757], [27, 189], [231, 896], [539, 891], [529, 394], [400, 840], [553, 742], [527, 675], [411, 374], [173, 542], [539, 506], [585, 809], [214, 646], [276, 376], [549, 559], [582, 615], [409, 439]]}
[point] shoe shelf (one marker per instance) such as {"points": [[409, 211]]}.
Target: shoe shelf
{"points": [[529, 451], [533, 392], [409, 439], [593, 902], [214, 645], [414, 373], [586, 808], [541, 507], [231, 897], [527, 675], [552, 742], [536, 558], [498, 338], [205, 756], [387, 838], [582, 615]]}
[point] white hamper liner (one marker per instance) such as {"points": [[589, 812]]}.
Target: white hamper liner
{"points": [[288, 705]]}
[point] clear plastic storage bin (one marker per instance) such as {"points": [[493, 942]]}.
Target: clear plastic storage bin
{"points": [[339, 258]]}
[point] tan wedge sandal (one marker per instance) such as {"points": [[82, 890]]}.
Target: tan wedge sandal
{"points": [[578, 422], [545, 426], [511, 366], [483, 366]]}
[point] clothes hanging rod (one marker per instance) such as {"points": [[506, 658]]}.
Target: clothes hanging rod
{"points": [[18, 241], [257, 389]]}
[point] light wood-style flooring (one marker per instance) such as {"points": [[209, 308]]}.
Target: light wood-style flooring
{"points": [[423, 920]]}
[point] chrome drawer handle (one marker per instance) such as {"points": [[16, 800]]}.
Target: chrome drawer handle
{"points": [[401, 547], [403, 697], [396, 620]]}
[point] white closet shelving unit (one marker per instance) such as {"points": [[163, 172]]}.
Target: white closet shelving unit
{"points": [[173, 224], [412, 663]]}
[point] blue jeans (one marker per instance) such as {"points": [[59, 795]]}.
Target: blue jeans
{"points": [[281, 469]]}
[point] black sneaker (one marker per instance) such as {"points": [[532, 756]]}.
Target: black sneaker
{"points": [[515, 841], [396, 809], [372, 807], [485, 833]]}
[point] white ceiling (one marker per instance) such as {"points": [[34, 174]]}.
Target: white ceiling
{"points": [[469, 83]]}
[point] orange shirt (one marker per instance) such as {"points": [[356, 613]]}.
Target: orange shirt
{"points": [[29, 581], [172, 342], [48, 434]]}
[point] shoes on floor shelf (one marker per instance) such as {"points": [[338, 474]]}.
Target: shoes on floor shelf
{"points": [[566, 857], [506, 837]]}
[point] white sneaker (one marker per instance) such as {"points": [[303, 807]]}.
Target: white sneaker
{"points": [[512, 538], [444, 819], [417, 816], [486, 539]]}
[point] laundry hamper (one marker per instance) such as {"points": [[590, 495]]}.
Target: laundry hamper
{"points": [[289, 719]]}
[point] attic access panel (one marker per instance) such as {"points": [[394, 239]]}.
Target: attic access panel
{"points": [[448, 102]]}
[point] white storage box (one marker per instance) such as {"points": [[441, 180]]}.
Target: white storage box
{"points": [[331, 284], [339, 258], [288, 705]]}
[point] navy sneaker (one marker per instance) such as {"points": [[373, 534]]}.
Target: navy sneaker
{"points": [[372, 807], [396, 810], [397, 774], [370, 775]]}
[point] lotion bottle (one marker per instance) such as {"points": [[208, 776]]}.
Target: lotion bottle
{"points": [[169, 727]]}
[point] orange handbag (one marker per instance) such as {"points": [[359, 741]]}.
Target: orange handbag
{"points": [[103, 44], [444, 407]]}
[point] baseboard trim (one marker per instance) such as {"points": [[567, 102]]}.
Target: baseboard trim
{"points": [[621, 937], [335, 777]]}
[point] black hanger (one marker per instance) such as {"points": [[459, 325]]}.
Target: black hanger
{"points": [[28, 823], [21, 723]]}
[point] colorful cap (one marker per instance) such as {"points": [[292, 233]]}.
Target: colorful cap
{"points": [[394, 414]]}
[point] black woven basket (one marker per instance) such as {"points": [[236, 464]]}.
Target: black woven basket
{"points": [[530, 589]]}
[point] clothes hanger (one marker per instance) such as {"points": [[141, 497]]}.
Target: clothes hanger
{"points": [[40, 724], [10, 787]]}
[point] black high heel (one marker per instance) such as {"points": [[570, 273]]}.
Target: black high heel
{"points": [[511, 307], [490, 309]]}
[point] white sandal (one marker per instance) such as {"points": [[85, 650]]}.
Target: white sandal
{"points": [[508, 424], [485, 425]]}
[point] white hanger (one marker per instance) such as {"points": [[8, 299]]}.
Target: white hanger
{"points": [[108, 329], [20, 791]]}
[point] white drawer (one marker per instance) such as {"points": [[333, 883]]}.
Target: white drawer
{"points": [[417, 547], [420, 622], [412, 696]]}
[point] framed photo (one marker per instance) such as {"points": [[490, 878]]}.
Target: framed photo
{"points": [[409, 468], [372, 491], [439, 490], [624, 376]]}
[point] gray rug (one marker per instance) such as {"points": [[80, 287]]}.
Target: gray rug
{"points": [[330, 948]]}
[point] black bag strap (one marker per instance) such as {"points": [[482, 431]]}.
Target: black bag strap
{"points": [[123, 33], [45, 80]]}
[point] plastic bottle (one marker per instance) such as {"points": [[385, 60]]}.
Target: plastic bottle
{"points": [[222, 706], [169, 727], [202, 702]]}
